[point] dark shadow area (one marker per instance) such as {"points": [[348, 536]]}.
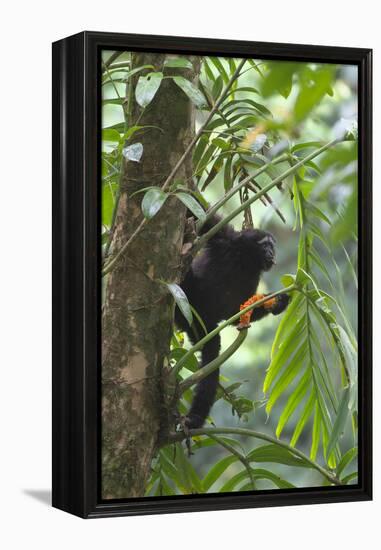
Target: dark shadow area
{"points": [[43, 495]]}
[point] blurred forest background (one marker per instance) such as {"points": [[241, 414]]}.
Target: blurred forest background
{"points": [[274, 110]]}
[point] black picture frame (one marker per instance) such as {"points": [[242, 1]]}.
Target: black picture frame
{"points": [[76, 273]]}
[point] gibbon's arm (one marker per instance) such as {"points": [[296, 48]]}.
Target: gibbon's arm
{"points": [[274, 305]]}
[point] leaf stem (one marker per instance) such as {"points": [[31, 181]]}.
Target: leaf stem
{"points": [[213, 365], [179, 436], [240, 456], [236, 188]]}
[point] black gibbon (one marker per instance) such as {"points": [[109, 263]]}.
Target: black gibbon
{"points": [[221, 278]]}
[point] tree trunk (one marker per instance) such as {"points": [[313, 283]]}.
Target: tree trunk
{"points": [[138, 310]]}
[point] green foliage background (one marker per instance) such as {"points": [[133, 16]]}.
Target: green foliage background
{"points": [[295, 377]]}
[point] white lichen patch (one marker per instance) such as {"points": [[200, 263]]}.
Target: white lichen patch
{"points": [[135, 370], [151, 271]]}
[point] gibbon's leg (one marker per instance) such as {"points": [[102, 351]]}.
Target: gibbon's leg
{"points": [[206, 389]]}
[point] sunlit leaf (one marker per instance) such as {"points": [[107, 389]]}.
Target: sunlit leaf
{"points": [[133, 152], [109, 134], [152, 201], [147, 87], [181, 300], [178, 63], [191, 203], [190, 90]]}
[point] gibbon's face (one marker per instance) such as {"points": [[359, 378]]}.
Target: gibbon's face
{"points": [[260, 246]]}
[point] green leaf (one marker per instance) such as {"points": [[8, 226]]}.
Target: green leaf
{"points": [[256, 473], [316, 429], [152, 201], [178, 353], [147, 87], [208, 70], [206, 158], [349, 478], [217, 470], [217, 87], [287, 321], [220, 68], [143, 190], [259, 473], [113, 101], [279, 78], [190, 90], [287, 280], [288, 374], [199, 319], [108, 134], [107, 204], [233, 482], [228, 180], [191, 203], [313, 87], [181, 300], [136, 70], [313, 209], [187, 472], [230, 106], [293, 401], [277, 454], [199, 149], [295, 340], [306, 145], [168, 466], [178, 63], [307, 411], [346, 460], [247, 89], [215, 169], [339, 425]]}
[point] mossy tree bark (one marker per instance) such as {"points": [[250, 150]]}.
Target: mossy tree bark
{"points": [[138, 310]]}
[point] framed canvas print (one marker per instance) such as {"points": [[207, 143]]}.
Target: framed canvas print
{"points": [[212, 274]]}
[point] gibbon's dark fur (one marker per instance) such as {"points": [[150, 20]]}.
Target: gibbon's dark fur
{"points": [[221, 278]]}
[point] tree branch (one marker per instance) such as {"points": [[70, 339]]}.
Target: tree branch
{"points": [[179, 436], [236, 188], [199, 243], [223, 325], [175, 169], [213, 365]]}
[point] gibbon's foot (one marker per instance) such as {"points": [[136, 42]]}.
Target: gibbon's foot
{"points": [[193, 421], [183, 424]]}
